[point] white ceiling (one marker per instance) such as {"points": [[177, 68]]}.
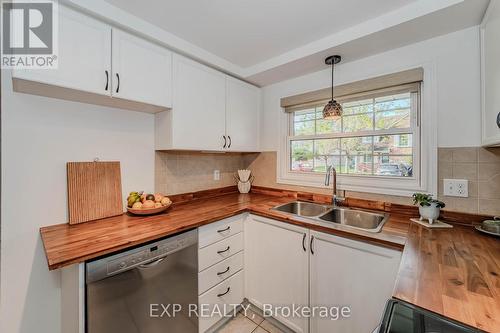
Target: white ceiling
{"points": [[267, 41], [247, 32]]}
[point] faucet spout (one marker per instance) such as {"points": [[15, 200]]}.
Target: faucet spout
{"points": [[329, 172]]}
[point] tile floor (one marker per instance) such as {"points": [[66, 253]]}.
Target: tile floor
{"points": [[251, 323]]}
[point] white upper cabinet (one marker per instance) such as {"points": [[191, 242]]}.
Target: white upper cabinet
{"points": [[102, 65], [198, 110], [242, 115], [276, 267], [141, 70], [490, 47], [349, 273], [210, 111], [84, 59]]}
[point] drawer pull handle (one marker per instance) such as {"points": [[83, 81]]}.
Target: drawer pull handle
{"points": [[220, 295], [226, 229], [107, 80], [227, 270], [311, 245], [222, 251]]}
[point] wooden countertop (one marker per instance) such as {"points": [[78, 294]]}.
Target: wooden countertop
{"points": [[68, 244], [451, 272]]}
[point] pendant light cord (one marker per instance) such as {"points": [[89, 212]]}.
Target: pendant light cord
{"points": [[332, 77]]}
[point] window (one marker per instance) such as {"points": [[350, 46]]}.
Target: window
{"points": [[373, 138]]}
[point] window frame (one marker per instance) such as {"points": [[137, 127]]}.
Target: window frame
{"points": [[421, 181]]}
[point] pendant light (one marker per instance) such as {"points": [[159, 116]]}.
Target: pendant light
{"points": [[332, 110]]}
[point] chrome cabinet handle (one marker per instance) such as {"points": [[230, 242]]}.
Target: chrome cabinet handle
{"points": [[107, 80], [222, 251], [220, 295], [311, 245], [227, 270], [225, 141], [304, 242], [118, 86], [151, 264], [226, 229], [229, 146]]}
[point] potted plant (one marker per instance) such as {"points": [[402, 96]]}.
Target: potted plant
{"points": [[429, 208]]}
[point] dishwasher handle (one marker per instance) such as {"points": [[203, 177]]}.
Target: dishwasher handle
{"points": [[151, 264]]}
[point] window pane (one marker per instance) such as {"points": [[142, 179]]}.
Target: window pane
{"points": [[401, 101], [302, 155], [396, 166], [357, 146], [327, 147], [304, 115], [356, 123], [304, 127], [328, 126], [392, 119], [358, 164], [364, 106], [320, 163], [393, 144], [384, 155]]}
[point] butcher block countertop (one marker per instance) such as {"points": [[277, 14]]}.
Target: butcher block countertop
{"points": [[453, 272]]}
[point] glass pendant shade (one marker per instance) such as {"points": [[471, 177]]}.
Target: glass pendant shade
{"points": [[332, 110]]}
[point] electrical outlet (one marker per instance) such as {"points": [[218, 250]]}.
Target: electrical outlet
{"points": [[216, 174], [456, 187]]}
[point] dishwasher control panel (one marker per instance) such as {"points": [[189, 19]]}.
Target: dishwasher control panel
{"points": [[117, 263]]}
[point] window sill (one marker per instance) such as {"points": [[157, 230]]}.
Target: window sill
{"points": [[397, 187]]}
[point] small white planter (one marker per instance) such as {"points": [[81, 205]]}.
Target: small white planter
{"points": [[244, 187], [430, 213]]}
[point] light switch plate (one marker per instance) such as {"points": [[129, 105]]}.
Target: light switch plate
{"points": [[216, 174], [456, 188]]}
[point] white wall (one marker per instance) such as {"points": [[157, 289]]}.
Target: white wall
{"points": [[456, 59], [39, 135]]}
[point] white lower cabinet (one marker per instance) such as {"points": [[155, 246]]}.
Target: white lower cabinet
{"points": [[354, 274], [276, 266]]}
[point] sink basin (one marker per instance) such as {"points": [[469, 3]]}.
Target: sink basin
{"points": [[360, 219], [304, 209]]}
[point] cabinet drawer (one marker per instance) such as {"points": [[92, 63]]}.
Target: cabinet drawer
{"points": [[225, 293], [217, 231], [219, 272], [219, 251]]}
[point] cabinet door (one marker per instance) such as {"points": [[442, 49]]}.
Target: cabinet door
{"points": [[490, 30], [242, 115], [348, 273], [198, 110], [142, 71], [84, 55], [276, 266]]}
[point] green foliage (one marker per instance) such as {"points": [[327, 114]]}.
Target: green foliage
{"points": [[426, 200], [302, 154]]}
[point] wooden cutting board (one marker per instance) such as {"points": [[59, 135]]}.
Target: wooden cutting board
{"points": [[94, 191]]}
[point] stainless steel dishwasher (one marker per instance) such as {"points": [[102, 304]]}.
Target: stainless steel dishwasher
{"points": [[128, 292]]}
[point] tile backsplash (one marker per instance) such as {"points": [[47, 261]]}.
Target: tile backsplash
{"points": [[182, 172], [481, 167]]}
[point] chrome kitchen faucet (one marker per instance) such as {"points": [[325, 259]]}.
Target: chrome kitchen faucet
{"points": [[335, 199]]}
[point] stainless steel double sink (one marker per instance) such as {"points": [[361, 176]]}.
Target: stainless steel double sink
{"points": [[352, 218]]}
